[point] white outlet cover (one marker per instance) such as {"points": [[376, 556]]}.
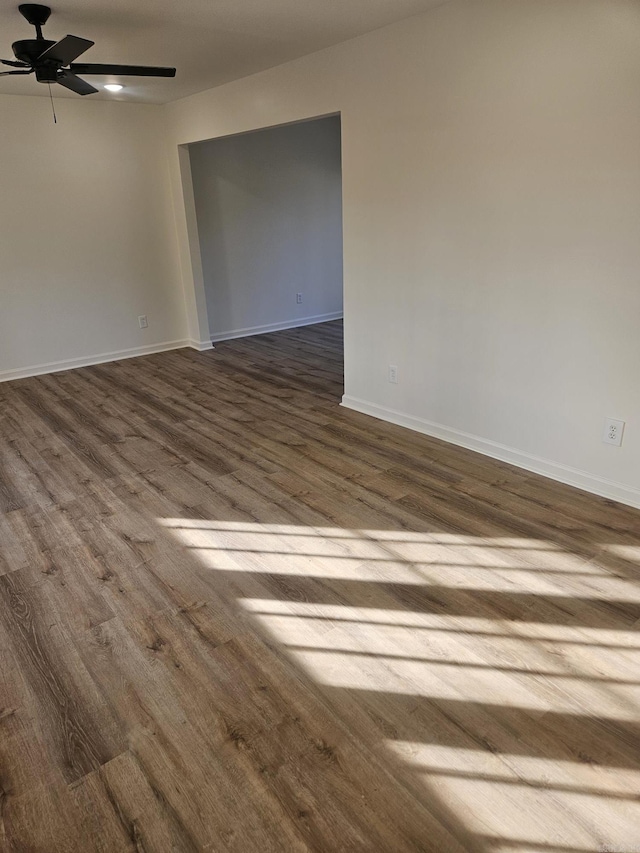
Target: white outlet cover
{"points": [[613, 432], [393, 373]]}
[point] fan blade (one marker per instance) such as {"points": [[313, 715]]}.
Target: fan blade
{"points": [[14, 64], [9, 73], [124, 70], [66, 50], [70, 81]]}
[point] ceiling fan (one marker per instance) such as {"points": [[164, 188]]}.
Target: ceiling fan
{"points": [[53, 61]]}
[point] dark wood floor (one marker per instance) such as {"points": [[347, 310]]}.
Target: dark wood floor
{"points": [[236, 617]]}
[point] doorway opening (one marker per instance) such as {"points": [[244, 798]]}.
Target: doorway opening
{"points": [[268, 208]]}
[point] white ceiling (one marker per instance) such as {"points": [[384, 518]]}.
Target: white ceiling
{"points": [[210, 42]]}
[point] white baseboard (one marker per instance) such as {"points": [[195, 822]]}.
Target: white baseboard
{"points": [[556, 471], [100, 358], [276, 327], [201, 346]]}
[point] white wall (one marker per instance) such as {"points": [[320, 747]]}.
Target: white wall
{"points": [[491, 199], [269, 211], [87, 237]]}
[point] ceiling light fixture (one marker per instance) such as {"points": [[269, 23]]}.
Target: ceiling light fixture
{"points": [[113, 87]]}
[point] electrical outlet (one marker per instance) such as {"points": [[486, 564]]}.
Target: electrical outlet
{"points": [[298, 298], [142, 321], [613, 431], [393, 373]]}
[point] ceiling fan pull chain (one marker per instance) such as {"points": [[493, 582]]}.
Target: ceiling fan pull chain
{"points": [[53, 109]]}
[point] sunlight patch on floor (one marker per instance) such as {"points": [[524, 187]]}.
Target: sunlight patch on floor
{"points": [[419, 662], [435, 622], [504, 565], [546, 693], [532, 800], [442, 628], [627, 552]]}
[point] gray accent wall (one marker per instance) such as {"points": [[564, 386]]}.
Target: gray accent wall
{"points": [[269, 211]]}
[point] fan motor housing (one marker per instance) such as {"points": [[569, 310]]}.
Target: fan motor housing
{"points": [[47, 74], [28, 50]]}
